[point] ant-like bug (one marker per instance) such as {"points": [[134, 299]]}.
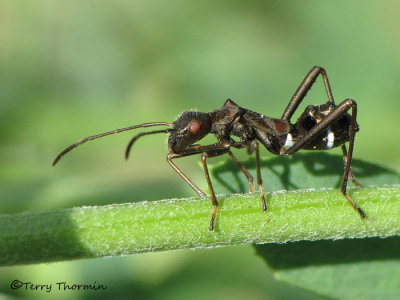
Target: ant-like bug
{"points": [[320, 127]]}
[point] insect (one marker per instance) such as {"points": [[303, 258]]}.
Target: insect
{"points": [[320, 127]]}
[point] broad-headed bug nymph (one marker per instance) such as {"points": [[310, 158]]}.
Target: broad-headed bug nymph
{"points": [[320, 127]]}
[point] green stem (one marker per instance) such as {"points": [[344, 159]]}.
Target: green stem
{"points": [[183, 223]]}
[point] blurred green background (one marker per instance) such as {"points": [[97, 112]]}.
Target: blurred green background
{"points": [[70, 69]]}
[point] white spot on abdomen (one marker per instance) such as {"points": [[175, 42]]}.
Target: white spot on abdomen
{"points": [[289, 141], [330, 139]]}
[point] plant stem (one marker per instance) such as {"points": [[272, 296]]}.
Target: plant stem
{"points": [[125, 229]]}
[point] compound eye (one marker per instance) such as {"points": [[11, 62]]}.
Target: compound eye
{"points": [[194, 126]]}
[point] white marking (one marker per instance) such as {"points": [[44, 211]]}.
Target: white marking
{"points": [[331, 139], [289, 141]]}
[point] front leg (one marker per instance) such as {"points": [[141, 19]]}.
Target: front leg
{"points": [[214, 201], [206, 151], [215, 149], [172, 156]]}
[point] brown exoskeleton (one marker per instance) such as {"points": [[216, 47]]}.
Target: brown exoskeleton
{"points": [[320, 127]]}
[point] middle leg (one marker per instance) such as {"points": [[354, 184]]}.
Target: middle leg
{"points": [[259, 179], [244, 170]]}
